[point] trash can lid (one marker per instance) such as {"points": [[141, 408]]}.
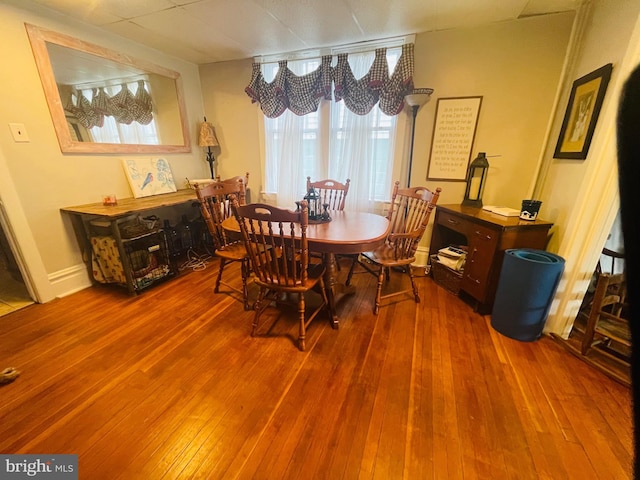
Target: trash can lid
{"points": [[535, 255]]}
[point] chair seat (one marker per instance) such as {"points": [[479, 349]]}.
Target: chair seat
{"points": [[614, 328], [385, 255], [314, 274], [232, 251]]}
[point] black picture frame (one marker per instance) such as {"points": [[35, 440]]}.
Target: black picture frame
{"points": [[581, 115]]}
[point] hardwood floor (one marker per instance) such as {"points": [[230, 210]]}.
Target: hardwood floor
{"points": [[170, 384]]}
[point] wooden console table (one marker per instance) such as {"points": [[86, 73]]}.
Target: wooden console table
{"points": [[487, 236], [82, 215]]}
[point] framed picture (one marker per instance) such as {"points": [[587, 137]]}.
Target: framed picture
{"points": [[582, 113], [454, 130], [149, 176]]}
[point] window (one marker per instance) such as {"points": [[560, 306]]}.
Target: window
{"points": [[332, 142]]}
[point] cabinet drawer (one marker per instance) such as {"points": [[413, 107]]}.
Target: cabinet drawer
{"points": [[453, 222], [483, 235], [482, 247]]}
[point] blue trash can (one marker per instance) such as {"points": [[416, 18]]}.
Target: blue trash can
{"points": [[528, 280]]}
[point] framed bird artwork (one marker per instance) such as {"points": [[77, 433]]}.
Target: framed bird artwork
{"points": [[149, 176]]}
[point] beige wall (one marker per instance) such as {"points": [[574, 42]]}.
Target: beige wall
{"points": [[515, 66], [608, 28], [43, 179], [236, 120]]}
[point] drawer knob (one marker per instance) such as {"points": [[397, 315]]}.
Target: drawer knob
{"points": [[474, 280], [483, 235]]}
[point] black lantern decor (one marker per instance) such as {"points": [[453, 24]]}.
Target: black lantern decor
{"points": [[476, 177], [318, 211], [313, 200]]}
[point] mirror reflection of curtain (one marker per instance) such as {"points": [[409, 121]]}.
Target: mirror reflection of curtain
{"points": [[114, 131]]}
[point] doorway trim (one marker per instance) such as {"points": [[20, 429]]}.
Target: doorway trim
{"points": [[16, 227]]}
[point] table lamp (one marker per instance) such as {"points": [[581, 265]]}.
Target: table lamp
{"points": [[207, 138]]}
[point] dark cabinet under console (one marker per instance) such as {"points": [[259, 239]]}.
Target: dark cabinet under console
{"points": [[487, 235]]}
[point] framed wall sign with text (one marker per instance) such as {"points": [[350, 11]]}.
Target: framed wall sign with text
{"points": [[454, 130]]}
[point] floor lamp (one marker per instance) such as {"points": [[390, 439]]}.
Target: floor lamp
{"points": [[417, 98]]}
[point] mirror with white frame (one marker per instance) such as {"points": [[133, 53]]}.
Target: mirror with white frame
{"points": [[102, 101]]}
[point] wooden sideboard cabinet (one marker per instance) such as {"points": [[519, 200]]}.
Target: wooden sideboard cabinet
{"points": [[131, 249], [487, 236]]}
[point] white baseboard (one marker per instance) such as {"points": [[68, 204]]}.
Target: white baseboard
{"points": [[70, 280], [422, 257]]}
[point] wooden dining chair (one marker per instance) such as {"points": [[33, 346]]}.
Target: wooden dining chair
{"points": [[215, 207], [235, 179], [608, 322], [331, 192], [408, 217], [276, 240], [610, 258]]}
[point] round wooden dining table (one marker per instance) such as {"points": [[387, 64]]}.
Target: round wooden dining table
{"points": [[347, 233]]}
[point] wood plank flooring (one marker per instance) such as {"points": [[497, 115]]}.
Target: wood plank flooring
{"points": [[170, 384]]}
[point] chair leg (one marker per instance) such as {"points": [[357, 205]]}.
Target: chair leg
{"points": [[244, 266], [381, 275], [413, 283], [592, 320], [216, 289], [259, 308], [350, 274], [323, 293], [302, 334], [587, 339]]}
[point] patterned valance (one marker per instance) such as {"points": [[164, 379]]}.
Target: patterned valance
{"points": [[124, 106], [302, 94]]}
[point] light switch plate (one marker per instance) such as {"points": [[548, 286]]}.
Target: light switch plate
{"points": [[19, 132]]}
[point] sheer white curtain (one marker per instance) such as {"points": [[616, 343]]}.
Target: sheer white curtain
{"points": [[134, 133], [361, 146], [331, 143], [293, 148]]}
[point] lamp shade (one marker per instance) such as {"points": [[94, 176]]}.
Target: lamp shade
{"points": [[418, 97], [207, 137]]}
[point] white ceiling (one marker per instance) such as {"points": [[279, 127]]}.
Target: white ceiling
{"points": [[204, 31]]}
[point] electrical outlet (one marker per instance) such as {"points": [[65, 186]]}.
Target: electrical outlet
{"points": [[19, 132]]}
